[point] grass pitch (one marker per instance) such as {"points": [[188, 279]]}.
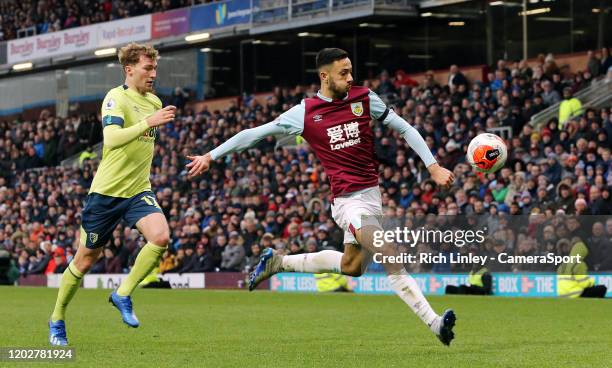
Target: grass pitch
{"points": [[203, 328]]}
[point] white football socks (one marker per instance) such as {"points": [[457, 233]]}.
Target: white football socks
{"points": [[402, 283], [408, 290], [320, 262]]}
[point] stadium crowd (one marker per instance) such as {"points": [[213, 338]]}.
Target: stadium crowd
{"points": [[21, 18], [277, 196]]}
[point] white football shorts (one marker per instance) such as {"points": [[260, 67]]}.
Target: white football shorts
{"points": [[349, 210]]}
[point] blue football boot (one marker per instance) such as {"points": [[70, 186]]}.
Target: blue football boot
{"points": [[57, 333], [124, 305], [269, 264]]}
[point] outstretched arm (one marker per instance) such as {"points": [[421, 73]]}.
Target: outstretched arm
{"points": [[291, 122], [241, 141], [246, 139]]}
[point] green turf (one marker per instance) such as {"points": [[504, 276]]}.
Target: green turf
{"points": [[198, 328]]}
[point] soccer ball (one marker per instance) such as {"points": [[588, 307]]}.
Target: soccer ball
{"points": [[487, 153]]}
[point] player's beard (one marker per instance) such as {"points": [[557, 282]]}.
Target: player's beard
{"points": [[338, 93]]}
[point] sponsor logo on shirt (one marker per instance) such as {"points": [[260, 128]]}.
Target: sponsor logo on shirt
{"points": [[357, 108], [317, 118], [149, 135], [344, 135]]}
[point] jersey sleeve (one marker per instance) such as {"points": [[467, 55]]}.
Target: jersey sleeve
{"points": [[292, 120], [378, 109], [411, 135], [112, 111], [156, 101], [115, 137], [246, 139]]}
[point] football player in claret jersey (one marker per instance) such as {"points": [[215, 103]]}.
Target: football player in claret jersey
{"points": [[131, 115], [335, 123]]}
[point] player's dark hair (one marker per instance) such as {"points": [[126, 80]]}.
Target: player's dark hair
{"points": [[329, 55]]}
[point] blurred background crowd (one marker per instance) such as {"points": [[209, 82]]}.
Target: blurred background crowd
{"points": [[21, 18], [277, 195]]}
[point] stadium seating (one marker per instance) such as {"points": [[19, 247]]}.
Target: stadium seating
{"points": [[22, 18], [283, 191]]}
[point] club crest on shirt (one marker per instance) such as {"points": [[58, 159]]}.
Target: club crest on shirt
{"points": [[93, 238], [110, 104], [357, 108]]}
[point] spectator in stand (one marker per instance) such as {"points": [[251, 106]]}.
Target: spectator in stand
{"points": [[57, 263], [606, 60], [429, 82], [168, 262], [550, 96], [179, 98], [187, 262], [112, 264], [403, 79], [253, 199], [233, 255], [594, 64], [38, 263], [253, 259], [46, 16], [569, 108], [385, 87], [456, 78], [203, 260]]}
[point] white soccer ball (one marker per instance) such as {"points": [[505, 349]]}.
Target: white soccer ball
{"points": [[487, 153]]}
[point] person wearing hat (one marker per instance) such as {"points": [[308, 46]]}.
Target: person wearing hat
{"points": [[554, 170], [57, 264], [526, 203], [569, 108], [323, 240], [266, 241], [405, 196], [453, 154], [307, 230], [565, 198]]}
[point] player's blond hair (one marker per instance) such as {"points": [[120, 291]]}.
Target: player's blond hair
{"points": [[130, 53]]}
